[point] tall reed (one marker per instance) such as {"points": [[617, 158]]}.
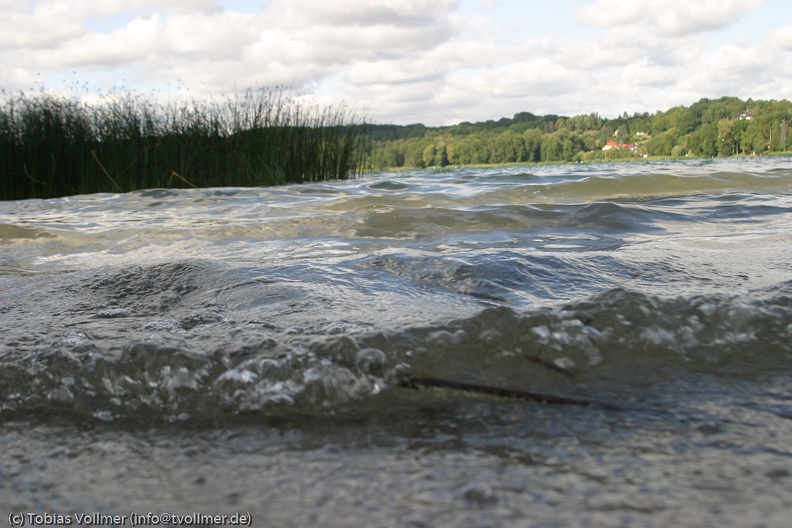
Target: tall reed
{"points": [[55, 145]]}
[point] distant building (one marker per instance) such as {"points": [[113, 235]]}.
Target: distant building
{"points": [[744, 116], [613, 145]]}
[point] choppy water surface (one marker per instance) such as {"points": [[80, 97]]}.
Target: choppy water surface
{"points": [[256, 350]]}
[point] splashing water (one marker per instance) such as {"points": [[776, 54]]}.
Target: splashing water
{"points": [[281, 331]]}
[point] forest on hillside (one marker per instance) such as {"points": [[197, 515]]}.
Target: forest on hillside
{"points": [[709, 128]]}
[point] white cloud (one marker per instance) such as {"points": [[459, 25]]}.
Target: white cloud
{"points": [[683, 17], [669, 18], [42, 27], [392, 72], [612, 13], [783, 38], [643, 75], [434, 61], [49, 22], [350, 13], [185, 37]]}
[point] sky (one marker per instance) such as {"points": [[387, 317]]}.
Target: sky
{"points": [[436, 62]]}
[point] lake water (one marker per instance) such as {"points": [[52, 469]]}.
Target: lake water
{"points": [[360, 353]]}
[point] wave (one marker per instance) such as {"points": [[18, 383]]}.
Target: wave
{"points": [[614, 343], [578, 281]]}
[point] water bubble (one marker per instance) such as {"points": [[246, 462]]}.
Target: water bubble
{"points": [[490, 336], [480, 494], [445, 339], [60, 394], [105, 416], [371, 361], [564, 363], [543, 332]]}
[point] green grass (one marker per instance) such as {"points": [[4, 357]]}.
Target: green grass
{"points": [[55, 145]]}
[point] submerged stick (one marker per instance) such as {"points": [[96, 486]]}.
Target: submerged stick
{"points": [[423, 383], [548, 365]]}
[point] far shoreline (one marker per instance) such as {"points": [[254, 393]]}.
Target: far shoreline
{"points": [[636, 159]]}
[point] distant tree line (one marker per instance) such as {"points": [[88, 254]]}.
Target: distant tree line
{"points": [[722, 127]]}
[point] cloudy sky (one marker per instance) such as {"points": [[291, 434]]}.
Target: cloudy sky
{"points": [[405, 61]]}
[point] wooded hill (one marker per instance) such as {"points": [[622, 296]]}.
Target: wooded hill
{"points": [[722, 127]]}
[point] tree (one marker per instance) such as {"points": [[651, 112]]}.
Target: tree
{"points": [[623, 133], [571, 144], [551, 148], [451, 154], [413, 152], [507, 148], [428, 156], [752, 141], [560, 123], [661, 144], [387, 156], [709, 140], [532, 141], [763, 134], [441, 154], [682, 119], [658, 124], [590, 142], [738, 129], [726, 143]]}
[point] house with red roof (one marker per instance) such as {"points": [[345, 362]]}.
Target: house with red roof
{"points": [[613, 145]]}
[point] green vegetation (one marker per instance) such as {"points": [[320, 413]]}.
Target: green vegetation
{"points": [[724, 127], [54, 145]]}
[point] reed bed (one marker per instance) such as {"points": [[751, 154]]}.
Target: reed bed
{"points": [[55, 145]]}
